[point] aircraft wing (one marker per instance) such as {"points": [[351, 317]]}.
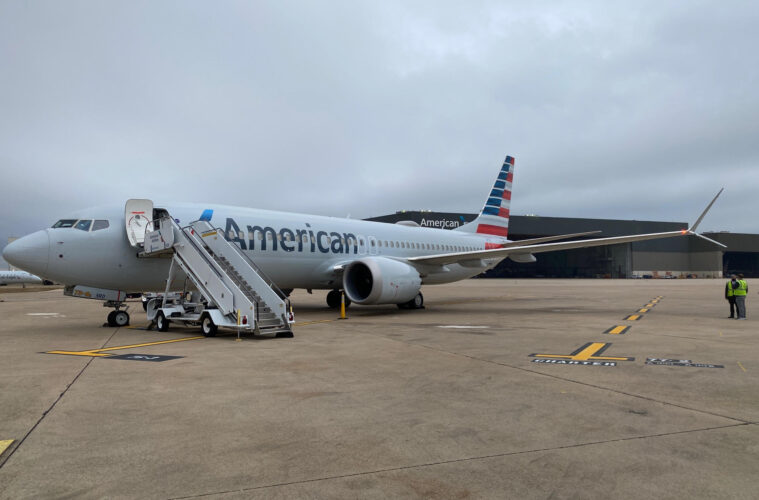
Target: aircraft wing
{"points": [[545, 239], [501, 253], [522, 248]]}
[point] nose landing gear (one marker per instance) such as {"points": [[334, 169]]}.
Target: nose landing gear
{"points": [[118, 317]]}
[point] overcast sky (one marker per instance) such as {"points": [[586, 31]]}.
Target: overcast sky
{"points": [[635, 112]]}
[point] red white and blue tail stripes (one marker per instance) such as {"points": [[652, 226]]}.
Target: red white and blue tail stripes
{"points": [[494, 218]]}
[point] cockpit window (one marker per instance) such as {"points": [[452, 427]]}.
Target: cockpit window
{"points": [[64, 223], [100, 224], [83, 225]]}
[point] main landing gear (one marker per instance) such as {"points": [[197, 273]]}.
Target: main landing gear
{"points": [[333, 299], [415, 303], [118, 317]]}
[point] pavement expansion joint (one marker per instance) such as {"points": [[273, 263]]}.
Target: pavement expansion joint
{"points": [[52, 406], [466, 459], [557, 377]]}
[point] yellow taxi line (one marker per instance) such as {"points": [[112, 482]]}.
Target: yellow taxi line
{"points": [[4, 444]]}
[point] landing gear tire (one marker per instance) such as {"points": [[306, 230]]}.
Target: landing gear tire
{"points": [[415, 303], [333, 299], [285, 335], [110, 320], [120, 318], [161, 323], [207, 326]]}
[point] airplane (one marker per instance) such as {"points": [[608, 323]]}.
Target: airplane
{"points": [[372, 262], [11, 277]]}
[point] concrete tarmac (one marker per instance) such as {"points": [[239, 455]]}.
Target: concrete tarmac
{"points": [[498, 389]]}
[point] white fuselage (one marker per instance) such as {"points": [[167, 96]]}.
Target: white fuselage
{"points": [[294, 250], [21, 277]]}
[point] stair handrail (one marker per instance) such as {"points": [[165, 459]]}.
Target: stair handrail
{"points": [[252, 264], [201, 251]]}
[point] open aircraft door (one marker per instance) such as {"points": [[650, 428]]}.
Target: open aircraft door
{"points": [[138, 215]]}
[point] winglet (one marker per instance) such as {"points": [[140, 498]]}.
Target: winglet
{"points": [[709, 240], [692, 229]]}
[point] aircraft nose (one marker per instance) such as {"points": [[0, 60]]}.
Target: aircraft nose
{"points": [[30, 253]]}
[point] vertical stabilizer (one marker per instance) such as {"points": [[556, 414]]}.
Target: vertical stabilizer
{"points": [[494, 217]]}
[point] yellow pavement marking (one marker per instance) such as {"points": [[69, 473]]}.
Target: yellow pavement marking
{"points": [[618, 330], [644, 310], [587, 352], [634, 317], [739, 364], [314, 322], [649, 305], [720, 334], [99, 352], [5, 444]]}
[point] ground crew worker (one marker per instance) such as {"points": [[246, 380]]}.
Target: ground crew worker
{"points": [[729, 296], [740, 290]]}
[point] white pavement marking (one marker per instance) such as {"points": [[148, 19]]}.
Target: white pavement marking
{"points": [[463, 326]]}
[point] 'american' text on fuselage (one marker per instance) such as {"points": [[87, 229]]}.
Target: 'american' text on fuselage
{"points": [[291, 240]]}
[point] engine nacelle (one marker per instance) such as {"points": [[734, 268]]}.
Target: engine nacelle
{"points": [[379, 280]]}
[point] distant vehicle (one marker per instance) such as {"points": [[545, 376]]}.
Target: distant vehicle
{"points": [[20, 277], [105, 253]]}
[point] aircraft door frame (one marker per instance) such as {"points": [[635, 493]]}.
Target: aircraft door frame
{"points": [[138, 216]]}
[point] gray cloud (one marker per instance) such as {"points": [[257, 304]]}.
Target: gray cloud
{"points": [[640, 111]]}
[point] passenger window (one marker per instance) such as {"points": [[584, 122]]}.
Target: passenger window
{"points": [[100, 224], [64, 223], [83, 225], [372, 242]]}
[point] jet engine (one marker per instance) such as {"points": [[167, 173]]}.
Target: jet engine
{"points": [[379, 280]]}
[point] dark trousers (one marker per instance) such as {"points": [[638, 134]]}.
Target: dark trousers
{"points": [[733, 308]]}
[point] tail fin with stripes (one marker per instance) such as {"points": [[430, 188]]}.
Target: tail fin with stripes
{"points": [[494, 217]]}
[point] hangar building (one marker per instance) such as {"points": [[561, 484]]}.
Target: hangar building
{"points": [[668, 258]]}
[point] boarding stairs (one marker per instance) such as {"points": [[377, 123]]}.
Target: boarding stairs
{"points": [[230, 281]]}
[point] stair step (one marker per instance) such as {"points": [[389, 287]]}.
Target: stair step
{"points": [[269, 324]]}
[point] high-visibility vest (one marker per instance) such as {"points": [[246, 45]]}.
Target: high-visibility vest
{"points": [[730, 288], [742, 288]]}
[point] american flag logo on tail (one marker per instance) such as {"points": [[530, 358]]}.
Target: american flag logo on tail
{"points": [[494, 218]]}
